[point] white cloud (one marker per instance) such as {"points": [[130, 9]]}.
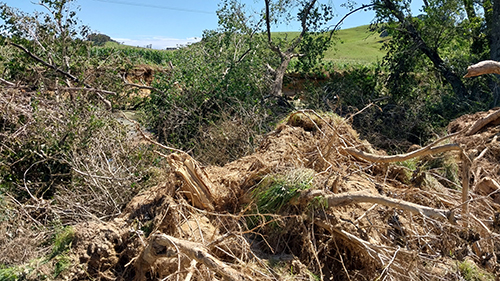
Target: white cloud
{"points": [[157, 42]]}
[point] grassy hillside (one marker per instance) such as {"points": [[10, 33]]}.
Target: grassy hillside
{"points": [[357, 45]]}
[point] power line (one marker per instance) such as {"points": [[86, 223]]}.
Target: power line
{"points": [[154, 6]]}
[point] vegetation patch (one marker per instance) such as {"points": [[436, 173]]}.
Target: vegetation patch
{"points": [[275, 192]]}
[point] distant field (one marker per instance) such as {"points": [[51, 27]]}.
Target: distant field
{"points": [[354, 45]]}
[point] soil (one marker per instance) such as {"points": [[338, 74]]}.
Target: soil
{"points": [[359, 241]]}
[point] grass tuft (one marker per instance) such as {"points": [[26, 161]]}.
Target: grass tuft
{"points": [[62, 241], [471, 272], [275, 191]]}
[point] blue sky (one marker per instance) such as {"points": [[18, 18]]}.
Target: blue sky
{"points": [[167, 23]]}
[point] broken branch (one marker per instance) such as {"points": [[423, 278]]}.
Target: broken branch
{"points": [[349, 198], [67, 74], [401, 157], [483, 67], [483, 122]]}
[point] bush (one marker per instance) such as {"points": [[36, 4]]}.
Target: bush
{"points": [[206, 92]]}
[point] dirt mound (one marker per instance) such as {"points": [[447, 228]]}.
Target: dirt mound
{"points": [[301, 208]]}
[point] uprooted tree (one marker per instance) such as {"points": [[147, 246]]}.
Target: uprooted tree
{"points": [[56, 40]]}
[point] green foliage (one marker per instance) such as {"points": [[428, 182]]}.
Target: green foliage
{"points": [[99, 39], [62, 241], [62, 264], [135, 55], [56, 37], [223, 75], [10, 273], [275, 192], [471, 272]]}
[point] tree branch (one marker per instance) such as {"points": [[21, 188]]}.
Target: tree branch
{"points": [[426, 150], [401, 157], [335, 28], [483, 67], [303, 24], [67, 74], [334, 200], [54, 67]]}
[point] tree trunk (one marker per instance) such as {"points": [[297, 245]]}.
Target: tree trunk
{"points": [[495, 32], [277, 87], [495, 45]]}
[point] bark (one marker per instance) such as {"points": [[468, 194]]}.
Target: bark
{"points": [[401, 157], [495, 31], [345, 199], [429, 149], [426, 150], [287, 55], [481, 123], [483, 67], [277, 87], [437, 61]]}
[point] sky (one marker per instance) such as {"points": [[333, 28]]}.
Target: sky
{"points": [[169, 23]]}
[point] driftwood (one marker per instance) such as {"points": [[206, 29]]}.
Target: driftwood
{"points": [[480, 68], [429, 149], [162, 245], [426, 150], [350, 198], [400, 157], [483, 67]]}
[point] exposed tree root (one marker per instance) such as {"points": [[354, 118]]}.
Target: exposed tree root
{"points": [[162, 245]]}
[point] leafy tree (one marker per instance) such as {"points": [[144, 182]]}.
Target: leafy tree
{"points": [[56, 41], [426, 42], [309, 45], [221, 77], [99, 39]]}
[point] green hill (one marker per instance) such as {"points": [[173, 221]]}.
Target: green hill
{"points": [[356, 45]]}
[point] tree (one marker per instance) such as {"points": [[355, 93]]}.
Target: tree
{"points": [[312, 40], [56, 40], [99, 39], [392, 11]]}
